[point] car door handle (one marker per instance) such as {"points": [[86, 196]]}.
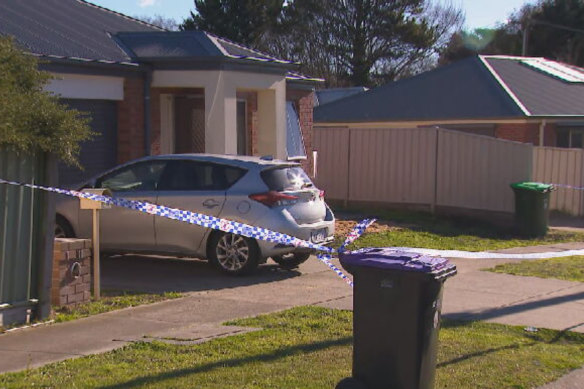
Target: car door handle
{"points": [[210, 203]]}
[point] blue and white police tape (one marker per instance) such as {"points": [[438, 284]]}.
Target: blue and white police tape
{"points": [[208, 221], [567, 186], [356, 232], [187, 217], [326, 259]]}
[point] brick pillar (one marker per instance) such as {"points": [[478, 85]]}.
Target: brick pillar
{"points": [[71, 272], [131, 120]]}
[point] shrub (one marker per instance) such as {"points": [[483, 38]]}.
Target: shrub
{"points": [[31, 118]]}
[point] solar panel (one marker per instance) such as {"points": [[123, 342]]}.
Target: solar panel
{"points": [[555, 69]]}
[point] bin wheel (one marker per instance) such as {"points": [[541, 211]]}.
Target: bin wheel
{"points": [[350, 383]]}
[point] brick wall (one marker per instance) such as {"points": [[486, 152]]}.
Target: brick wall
{"points": [[521, 132], [527, 133], [71, 281], [131, 120], [304, 103], [550, 135]]}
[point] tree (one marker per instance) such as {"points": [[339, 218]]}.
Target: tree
{"points": [[159, 21], [242, 21], [31, 118], [365, 42], [502, 41], [554, 29]]}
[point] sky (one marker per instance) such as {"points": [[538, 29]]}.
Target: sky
{"points": [[479, 13]]}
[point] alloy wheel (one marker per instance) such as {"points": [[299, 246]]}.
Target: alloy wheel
{"points": [[232, 252]]}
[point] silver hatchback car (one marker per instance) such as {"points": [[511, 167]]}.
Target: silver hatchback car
{"points": [[272, 194]]}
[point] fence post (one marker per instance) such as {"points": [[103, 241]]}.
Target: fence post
{"points": [[346, 202], [435, 194]]}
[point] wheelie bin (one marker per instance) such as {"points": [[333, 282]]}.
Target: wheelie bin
{"points": [[397, 300], [532, 207]]}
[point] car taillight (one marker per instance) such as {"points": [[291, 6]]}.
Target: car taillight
{"points": [[273, 198]]}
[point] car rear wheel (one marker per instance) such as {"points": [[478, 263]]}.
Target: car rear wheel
{"points": [[233, 254], [292, 260]]}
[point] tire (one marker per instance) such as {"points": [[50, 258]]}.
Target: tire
{"points": [[63, 228], [233, 254], [291, 261]]}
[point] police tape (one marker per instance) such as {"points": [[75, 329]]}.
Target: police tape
{"points": [[567, 186], [326, 259], [212, 222]]}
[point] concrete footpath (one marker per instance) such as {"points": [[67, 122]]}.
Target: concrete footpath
{"points": [[211, 299]]}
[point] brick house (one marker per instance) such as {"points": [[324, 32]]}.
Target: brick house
{"points": [[152, 91], [530, 100]]}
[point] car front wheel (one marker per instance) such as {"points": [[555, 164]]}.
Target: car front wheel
{"points": [[233, 254]]}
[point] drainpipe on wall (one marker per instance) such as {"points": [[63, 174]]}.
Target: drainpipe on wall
{"points": [[147, 108], [541, 132]]}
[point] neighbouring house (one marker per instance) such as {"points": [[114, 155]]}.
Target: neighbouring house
{"points": [[325, 96], [530, 100], [152, 91]]}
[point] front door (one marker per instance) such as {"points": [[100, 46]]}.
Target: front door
{"points": [[242, 141], [189, 124]]}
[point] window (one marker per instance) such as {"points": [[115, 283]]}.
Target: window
{"points": [[142, 176], [570, 137], [286, 178], [199, 176], [294, 141]]}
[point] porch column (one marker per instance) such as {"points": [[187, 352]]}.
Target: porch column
{"points": [[272, 121], [220, 118]]}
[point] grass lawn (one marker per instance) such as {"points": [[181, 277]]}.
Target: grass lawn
{"points": [[410, 229], [310, 347], [567, 268], [110, 301]]}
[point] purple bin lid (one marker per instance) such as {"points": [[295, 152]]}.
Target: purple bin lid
{"points": [[388, 258]]}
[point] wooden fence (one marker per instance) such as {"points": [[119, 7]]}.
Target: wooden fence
{"points": [[423, 166]]}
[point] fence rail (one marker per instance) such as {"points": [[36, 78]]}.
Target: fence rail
{"points": [[424, 166]]}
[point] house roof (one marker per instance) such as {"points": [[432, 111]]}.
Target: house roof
{"points": [[325, 96], [81, 31], [161, 45], [480, 87], [67, 28]]}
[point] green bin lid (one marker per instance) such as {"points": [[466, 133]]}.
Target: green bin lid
{"points": [[535, 186]]}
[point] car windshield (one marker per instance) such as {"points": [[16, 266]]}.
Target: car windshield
{"points": [[286, 178]]}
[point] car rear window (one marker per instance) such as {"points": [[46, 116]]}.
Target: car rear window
{"points": [[286, 178]]}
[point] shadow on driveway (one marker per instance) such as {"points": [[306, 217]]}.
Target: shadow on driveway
{"points": [[494, 313], [158, 274]]}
